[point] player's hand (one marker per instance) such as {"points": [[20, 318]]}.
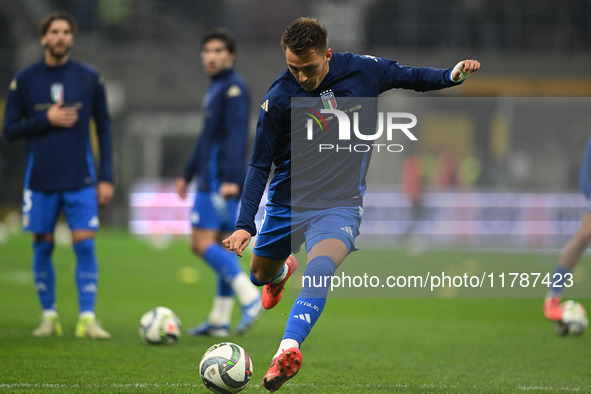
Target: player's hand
{"points": [[60, 116], [228, 190], [104, 192], [463, 69], [238, 241], [181, 188]]}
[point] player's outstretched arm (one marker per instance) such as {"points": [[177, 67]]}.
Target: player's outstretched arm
{"points": [[238, 241], [463, 69]]}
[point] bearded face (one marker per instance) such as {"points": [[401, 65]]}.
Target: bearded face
{"points": [[58, 40]]}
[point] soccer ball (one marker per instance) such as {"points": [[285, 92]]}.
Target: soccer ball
{"points": [[225, 368], [574, 320], [160, 325]]}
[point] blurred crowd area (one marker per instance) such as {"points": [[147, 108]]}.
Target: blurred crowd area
{"points": [[468, 24], [148, 52]]}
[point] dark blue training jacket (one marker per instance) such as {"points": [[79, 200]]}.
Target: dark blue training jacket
{"points": [[342, 183], [59, 158], [220, 152]]}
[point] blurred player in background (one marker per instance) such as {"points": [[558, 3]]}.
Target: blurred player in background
{"points": [[219, 160], [412, 185], [50, 105], [574, 249], [329, 230]]}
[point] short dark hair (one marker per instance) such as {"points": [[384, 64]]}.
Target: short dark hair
{"points": [[225, 35], [305, 35], [60, 15]]}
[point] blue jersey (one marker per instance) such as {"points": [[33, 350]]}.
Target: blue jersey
{"points": [[220, 152], [349, 75], [59, 158]]}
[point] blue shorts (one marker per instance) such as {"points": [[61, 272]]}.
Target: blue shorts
{"points": [[212, 212], [283, 231], [41, 209]]}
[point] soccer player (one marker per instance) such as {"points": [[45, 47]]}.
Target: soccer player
{"points": [[50, 105], [219, 160], [574, 249], [330, 228]]}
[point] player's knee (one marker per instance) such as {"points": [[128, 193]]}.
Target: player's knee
{"points": [[198, 249], [200, 246], [84, 248], [202, 240], [43, 248], [43, 237]]}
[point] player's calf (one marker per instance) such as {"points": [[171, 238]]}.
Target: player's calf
{"points": [[273, 292]]}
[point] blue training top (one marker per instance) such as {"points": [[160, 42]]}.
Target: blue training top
{"points": [[220, 152], [59, 158], [349, 75]]}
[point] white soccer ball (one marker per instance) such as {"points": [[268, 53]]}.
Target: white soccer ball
{"points": [[225, 368], [574, 320], [160, 325]]}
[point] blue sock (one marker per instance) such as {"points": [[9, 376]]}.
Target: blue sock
{"points": [[86, 274], [225, 284], [223, 263], [257, 282], [309, 305], [224, 288], [44, 274], [558, 279]]}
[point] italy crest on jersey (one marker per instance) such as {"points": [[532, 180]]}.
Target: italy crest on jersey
{"points": [[328, 99], [57, 92]]}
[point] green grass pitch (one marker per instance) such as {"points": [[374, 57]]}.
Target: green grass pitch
{"points": [[360, 345]]}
